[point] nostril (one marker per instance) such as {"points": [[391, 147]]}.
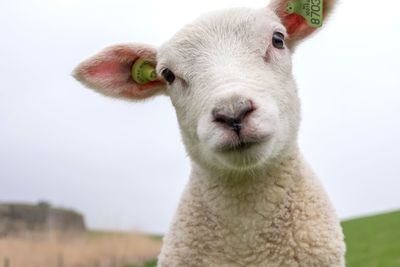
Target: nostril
{"points": [[245, 111], [233, 118], [234, 123], [220, 118]]}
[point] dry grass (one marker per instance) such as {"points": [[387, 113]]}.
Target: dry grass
{"points": [[89, 250]]}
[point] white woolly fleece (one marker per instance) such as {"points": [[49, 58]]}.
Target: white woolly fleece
{"points": [[251, 199], [279, 217]]}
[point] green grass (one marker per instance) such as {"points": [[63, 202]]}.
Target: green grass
{"points": [[373, 241], [151, 263]]}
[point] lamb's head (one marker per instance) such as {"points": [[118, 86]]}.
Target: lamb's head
{"points": [[229, 77]]}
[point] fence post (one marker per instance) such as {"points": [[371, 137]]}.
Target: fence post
{"points": [[6, 262]]}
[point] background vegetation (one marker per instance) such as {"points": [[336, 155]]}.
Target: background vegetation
{"points": [[372, 241]]}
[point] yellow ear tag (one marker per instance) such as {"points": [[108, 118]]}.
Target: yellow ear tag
{"points": [[311, 10], [143, 71]]}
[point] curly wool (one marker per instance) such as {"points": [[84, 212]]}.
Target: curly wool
{"points": [[280, 218]]}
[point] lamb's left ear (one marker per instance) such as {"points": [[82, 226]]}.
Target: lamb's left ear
{"points": [[109, 72], [296, 25]]}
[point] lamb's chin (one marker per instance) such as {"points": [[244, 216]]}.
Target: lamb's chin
{"points": [[244, 157]]}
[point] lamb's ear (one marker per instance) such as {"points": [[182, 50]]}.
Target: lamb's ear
{"points": [[296, 25], [109, 72]]}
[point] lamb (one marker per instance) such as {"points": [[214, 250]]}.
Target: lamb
{"points": [[251, 199]]}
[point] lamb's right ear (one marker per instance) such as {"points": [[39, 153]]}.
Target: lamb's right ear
{"points": [[109, 72]]}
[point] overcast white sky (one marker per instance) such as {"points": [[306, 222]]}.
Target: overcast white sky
{"points": [[123, 165]]}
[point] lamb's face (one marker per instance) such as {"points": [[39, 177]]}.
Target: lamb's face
{"points": [[233, 91], [229, 77]]}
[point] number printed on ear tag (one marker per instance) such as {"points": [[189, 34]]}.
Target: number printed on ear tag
{"points": [[311, 10]]}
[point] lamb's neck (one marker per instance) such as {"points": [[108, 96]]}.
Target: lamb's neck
{"points": [[248, 192]]}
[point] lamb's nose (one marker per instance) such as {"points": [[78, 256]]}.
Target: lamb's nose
{"points": [[233, 115]]}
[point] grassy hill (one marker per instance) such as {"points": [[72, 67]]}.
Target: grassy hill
{"points": [[373, 241]]}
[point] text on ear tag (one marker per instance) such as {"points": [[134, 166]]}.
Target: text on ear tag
{"points": [[311, 10]]}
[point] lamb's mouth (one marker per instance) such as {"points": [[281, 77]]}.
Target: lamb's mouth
{"points": [[237, 146]]}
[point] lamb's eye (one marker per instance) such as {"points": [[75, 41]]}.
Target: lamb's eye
{"points": [[278, 40], [168, 75]]}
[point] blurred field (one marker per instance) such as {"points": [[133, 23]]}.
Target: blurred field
{"points": [[373, 241], [89, 250]]}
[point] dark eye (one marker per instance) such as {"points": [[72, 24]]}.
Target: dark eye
{"points": [[278, 40], [168, 75]]}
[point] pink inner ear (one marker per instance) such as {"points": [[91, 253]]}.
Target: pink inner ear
{"points": [[105, 69], [115, 63], [110, 72], [294, 22], [297, 26]]}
